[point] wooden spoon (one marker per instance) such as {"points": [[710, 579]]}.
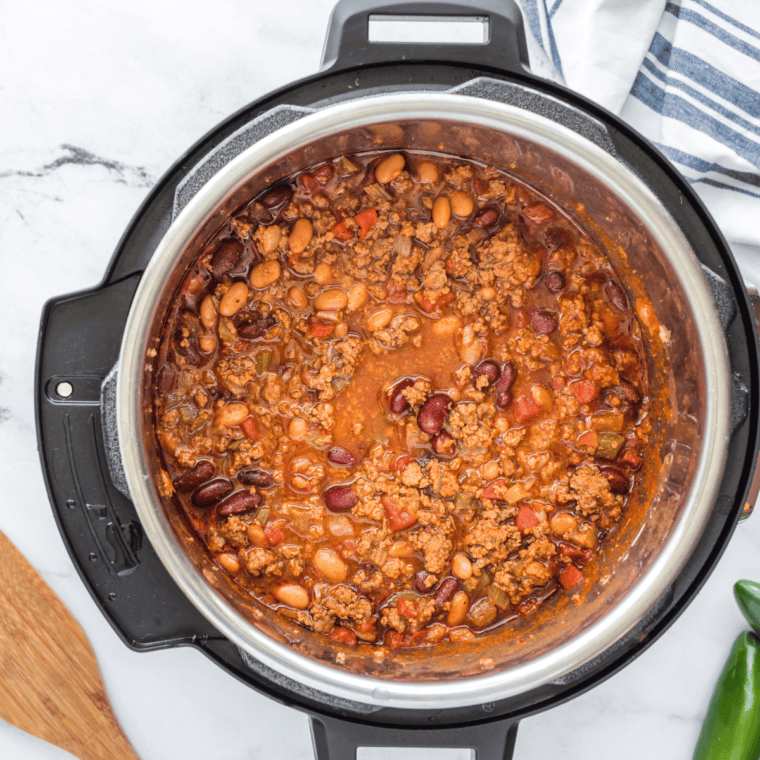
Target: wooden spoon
{"points": [[50, 684]]}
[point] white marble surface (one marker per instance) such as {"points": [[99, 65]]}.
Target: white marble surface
{"points": [[127, 87]]}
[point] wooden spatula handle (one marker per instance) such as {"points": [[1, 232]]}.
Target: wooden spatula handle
{"points": [[50, 684]]}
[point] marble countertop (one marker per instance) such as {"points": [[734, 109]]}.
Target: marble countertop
{"points": [[96, 101]]}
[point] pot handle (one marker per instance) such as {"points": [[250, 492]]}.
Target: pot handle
{"points": [[754, 488], [348, 43], [336, 739], [79, 341]]}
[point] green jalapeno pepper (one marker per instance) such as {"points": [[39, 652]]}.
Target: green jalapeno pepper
{"points": [[747, 595], [731, 730]]}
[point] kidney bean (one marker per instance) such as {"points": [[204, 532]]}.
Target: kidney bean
{"points": [[225, 257], [445, 591], [502, 399], [252, 324], [212, 492], [240, 503], [617, 296], [191, 479], [619, 483], [338, 455], [398, 403], [444, 444], [419, 581], [486, 217], [489, 369], [167, 378], [339, 498], [556, 237], [252, 476], [554, 281], [276, 196], [627, 392], [543, 322], [433, 413]]}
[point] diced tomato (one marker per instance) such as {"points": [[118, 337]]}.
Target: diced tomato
{"points": [[528, 606], [394, 639], [274, 534], [396, 292], [444, 299], [250, 427], [366, 220], [590, 438], [570, 576], [423, 303], [401, 462], [407, 609], [584, 390], [525, 408], [495, 490], [538, 213], [631, 459], [526, 518], [241, 346], [558, 383], [367, 626], [320, 328], [397, 517], [416, 638], [346, 635], [341, 233]]}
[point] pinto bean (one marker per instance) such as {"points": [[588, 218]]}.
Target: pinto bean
{"points": [[458, 611], [252, 476], [300, 236], [293, 595], [234, 299], [323, 273], [229, 562], [378, 320], [389, 168], [208, 313], [330, 565], [333, 299], [297, 297], [427, 171], [441, 211], [433, 412], [462, 204], [270, 238], [461, 567], [264, 274], [232, 414], [339, 498], [447, 325], [357, 297], [488, 369], [212, 492], [203, 471], [398, 402], [225, 257], [543, 322], [340, 456]]}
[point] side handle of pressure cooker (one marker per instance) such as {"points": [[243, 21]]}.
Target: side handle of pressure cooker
{"points": [[336, 739], [79, 342], [348, 42], [754, 488]]}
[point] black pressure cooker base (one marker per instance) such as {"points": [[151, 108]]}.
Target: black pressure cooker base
{"points": [[79, 344]]}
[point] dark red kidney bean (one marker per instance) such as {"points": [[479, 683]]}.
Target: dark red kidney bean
{"points": [[167, 378], [307, 182], [479, 186], [398, 403], [627, 392], [556, 237], [419, 581], [368, 567], [225, 257], [619, 483], [240, 503], [433, 413], [489, 369], [253, 325], [617, 296], [554, 281], [338, 455], [191, 479], [276, 196], [252, 476], [212, 492], [324, 173], [508, 375], [502, 399], [444, 444], [543, 322], [339, 498], [445, 591], [486, 217]]}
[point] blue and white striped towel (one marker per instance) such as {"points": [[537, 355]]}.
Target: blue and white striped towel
{"points": [[686, 74]]}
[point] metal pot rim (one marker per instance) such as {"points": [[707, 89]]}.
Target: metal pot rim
{"points": [[654, 582]]}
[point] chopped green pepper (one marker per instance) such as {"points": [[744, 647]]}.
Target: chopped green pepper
{"points": [[262, 516], [348, 167], [498, 596], [263, 361], [377, 192], [731, 730], [609, 445], [747, 595]]}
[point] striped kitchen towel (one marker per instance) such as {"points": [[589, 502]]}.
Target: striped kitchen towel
{"points": [[686, 74]]}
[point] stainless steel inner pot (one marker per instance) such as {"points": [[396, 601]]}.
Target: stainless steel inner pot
{"points": [[688, 373]]}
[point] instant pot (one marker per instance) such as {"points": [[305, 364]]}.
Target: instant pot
{"points": [[152, 581]]}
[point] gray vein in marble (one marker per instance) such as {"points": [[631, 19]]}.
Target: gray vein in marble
{"points": [[139, 175]]}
